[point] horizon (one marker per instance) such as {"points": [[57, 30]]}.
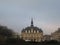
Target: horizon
{"points": [[17, 14]]}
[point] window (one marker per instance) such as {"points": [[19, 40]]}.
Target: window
{"points": [[29, 31], [37, 31], [26, 31], [34, 31]]}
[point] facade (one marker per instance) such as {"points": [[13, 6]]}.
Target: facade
{"points": [[46, 37], [56, 35], [32, 33]]}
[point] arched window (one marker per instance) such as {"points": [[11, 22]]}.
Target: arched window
{"points": [[26, 31], [37, 31], [29, 31]]}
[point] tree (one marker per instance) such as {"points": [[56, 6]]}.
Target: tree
{"points": [[4, 31]]}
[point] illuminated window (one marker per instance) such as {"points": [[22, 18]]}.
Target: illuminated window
{"points": [[37, 31], [29, 31], [26, 31]]}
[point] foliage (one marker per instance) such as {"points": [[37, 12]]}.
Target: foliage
{"points": [[4, 31]]}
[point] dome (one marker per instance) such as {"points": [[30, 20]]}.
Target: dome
{"points": [[32, 27]]}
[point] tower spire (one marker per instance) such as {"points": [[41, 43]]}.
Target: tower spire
{"points": [[31, 21]]}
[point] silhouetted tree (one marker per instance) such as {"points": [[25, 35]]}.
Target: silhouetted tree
{"points": [[4, 31]]}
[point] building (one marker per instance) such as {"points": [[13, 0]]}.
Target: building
{"points": [[46, 37], [56, 35], [32, 33]]}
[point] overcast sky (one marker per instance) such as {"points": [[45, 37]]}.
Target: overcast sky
{"points": [[17, 14]]}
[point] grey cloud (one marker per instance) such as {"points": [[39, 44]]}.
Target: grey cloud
{"points": [[15, 12]]}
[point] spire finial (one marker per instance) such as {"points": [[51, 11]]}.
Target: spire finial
{"points": [[31, 21]]}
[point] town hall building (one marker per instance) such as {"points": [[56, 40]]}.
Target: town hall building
{"points": [[32, 33]]}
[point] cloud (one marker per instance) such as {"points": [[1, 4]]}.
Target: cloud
{"points": [[46, 13], [47, 28]]}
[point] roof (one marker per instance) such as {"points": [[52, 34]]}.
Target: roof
{"points": [[32, 27]]}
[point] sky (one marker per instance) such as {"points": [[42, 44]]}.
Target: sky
{"points": [[17, 14]]}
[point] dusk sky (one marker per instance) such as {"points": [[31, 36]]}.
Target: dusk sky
{"points": [[17, 14]]}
